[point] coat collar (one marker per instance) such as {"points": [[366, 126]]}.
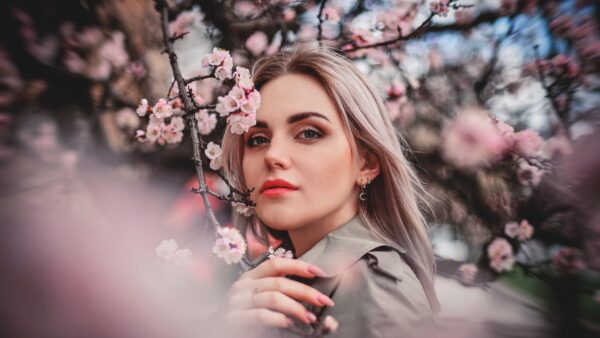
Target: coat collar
{"points": [[344, 246]]}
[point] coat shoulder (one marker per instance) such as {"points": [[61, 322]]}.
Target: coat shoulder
{"points": [[378, 295]]}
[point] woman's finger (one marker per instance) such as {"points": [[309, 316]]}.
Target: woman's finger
{"points": [[260, 316], [277, 301], [281, 266], [293, 289]]}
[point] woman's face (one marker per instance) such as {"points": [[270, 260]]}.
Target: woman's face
{"points": [[298, 157]]}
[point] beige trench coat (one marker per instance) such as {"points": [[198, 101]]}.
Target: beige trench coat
{"points": [[376, 293]]}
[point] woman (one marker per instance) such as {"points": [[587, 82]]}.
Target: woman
{"points": [[330, 180]]}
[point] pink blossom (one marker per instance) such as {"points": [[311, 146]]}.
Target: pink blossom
{"points": [[507, 131], [216, 163], [500, 254], [206, 122], [113, 50], [471, 140], [529, 174], [242, 209], [257, 43], [288, 15], [137, 68], [142, 109], [527, 143], [240, 123], [230, 104], [74, 62], [255, 99], [89, 37], [177, 123], [167, 250], [162, 109], [244, 8], [281, 252], [331, 14], [230, 245], [171, 135], [237, 93], [154, 131], [126, 118], [184, 21], [45, 50], [213, 150], [100, 71], [521, 231], [569, 260], [220, 59], [439, 7], [468, 272], [243, 79]]}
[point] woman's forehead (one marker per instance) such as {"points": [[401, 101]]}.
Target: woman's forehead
{"points": [[292, 94]]}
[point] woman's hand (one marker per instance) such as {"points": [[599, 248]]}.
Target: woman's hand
{"points": [[265, 296]]}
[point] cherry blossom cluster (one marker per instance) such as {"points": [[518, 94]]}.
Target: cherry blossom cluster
{"points": [[230, 245], [214, 153], [500, 255], [163, 127], [280, 253], [439, 7], [184, 21], [168, 251], [221, 61], [241, 103], [520, 231]]}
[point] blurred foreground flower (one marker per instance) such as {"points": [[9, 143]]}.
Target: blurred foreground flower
{"points": [[521, 231], [230, 245], [500, 254], [167, 250], [472, 141]]}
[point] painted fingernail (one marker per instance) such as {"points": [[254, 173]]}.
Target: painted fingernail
{"points": [[316, 271], [325, 300], [311, 317]]}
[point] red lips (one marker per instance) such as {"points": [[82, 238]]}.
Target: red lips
{"points": [[277, 187]]}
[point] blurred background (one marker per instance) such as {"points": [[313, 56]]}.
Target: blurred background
{"points": [[497, 100]]}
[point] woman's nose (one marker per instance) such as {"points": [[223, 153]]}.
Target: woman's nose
{"points": [[278, 155]]}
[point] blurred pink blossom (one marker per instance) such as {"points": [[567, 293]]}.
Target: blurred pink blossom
{"points": [[169, 252], [242, 209], [500, 254], [89, 37], [230, 245], [206, 122], [100, 71], [439, 7], [74, 62], [521, 231], [113, 50], [471, 140], [527, 143], [184, 21], [288, 15], [127, 118], [257, 43], [142, 108]]}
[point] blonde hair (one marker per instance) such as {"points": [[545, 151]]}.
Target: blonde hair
{"points": [[392, 210]]}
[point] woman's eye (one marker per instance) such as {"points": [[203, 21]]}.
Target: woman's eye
{"points": [[309, 134], [256, 141]]}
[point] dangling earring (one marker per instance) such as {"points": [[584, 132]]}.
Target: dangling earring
{"points": [[363, 191]]}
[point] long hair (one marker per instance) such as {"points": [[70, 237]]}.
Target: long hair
{"points": [[392, 210]]}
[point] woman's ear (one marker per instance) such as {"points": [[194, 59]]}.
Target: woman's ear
{"points": [[370, 167]]}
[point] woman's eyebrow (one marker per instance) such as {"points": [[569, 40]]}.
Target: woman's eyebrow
{"points": [[305, 115]]}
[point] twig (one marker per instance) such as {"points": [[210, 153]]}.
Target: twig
{"points": [[320, 17], [188, 107]]}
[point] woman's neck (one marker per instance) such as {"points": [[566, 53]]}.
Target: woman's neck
{"points": [[305, 237]]}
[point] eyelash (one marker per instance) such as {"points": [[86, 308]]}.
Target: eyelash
{"points": [[318, 134]]}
